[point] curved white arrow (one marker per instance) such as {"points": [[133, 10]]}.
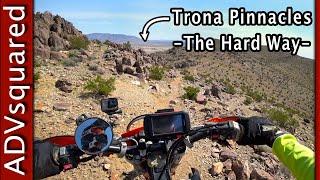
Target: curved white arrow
{"points": [[145, 31]]}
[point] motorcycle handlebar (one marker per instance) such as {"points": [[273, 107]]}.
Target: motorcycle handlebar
{"points": [[225, 130]]}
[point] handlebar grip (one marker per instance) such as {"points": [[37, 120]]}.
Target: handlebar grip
{"points": [[114, 149], [198, 136]]}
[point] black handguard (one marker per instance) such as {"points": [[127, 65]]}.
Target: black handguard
{"points": [[44, 163], [50, 159], [258, 131]]}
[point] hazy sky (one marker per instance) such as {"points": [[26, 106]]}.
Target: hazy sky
{"points": [[128, 17]]}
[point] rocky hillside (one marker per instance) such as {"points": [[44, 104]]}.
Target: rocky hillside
{"points": [[52, 34], [283, 79], [203, 84]]}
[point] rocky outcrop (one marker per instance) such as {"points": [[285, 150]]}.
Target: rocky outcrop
{"points": [[129, 61], [52, 33]]}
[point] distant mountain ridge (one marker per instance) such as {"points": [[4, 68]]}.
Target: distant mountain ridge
{"points": [[122, 38]]}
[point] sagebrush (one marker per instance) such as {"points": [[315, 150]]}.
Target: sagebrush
{"points": [[101, 86], [79, 42], [190, 92], [156, 73]]}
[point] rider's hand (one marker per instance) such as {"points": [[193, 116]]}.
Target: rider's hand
{"points": [[50, 159], [258, 131]]}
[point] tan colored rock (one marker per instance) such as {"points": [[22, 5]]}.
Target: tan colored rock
{"points": [[216, 168]]}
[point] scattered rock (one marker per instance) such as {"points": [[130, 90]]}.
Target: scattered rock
{"points": [[215, 155], [227, 154], [39, 107], [306, 120], [69, 120], [173, 102], [241, 169], [136, 82], [231, 143], [216, 168], [141, 77], [260, 175], [262, 148], [57, 55], [215, 91], [64, 85], [172, 73], [231, 176], [201, 99], [257, 109], [129, 70], [106, 167], [227, 165], [61, 106], [206, 110], [153, 88]]}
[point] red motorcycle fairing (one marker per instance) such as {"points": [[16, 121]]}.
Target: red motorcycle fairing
{"points": [[132, 132], [224, 119], [62, 140]]}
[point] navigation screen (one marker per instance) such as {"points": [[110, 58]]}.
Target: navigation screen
{"points": [[170, 124]]}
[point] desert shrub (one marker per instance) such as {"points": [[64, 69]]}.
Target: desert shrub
{"points": [[257, 96], [189, 77], [190, 92], [247, 101], [79, 42], [37, 63], [229, 88], [69, 63], [93, 67], [282, 118], [36, 76], [156, 73], [101, 86], [72, 54]]}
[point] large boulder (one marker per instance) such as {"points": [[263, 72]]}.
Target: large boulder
{"points": [[129, 61], [129, 70], [55, 42]]}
